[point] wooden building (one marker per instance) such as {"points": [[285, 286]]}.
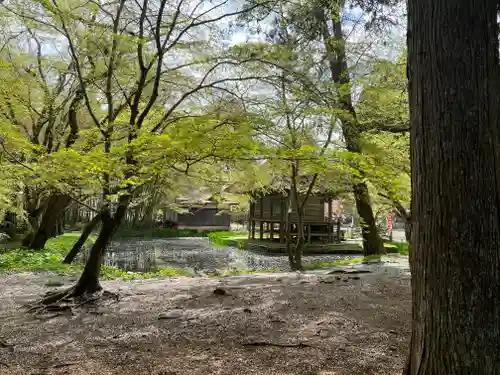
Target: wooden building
{"points": [[204, 213], [270, 218]]}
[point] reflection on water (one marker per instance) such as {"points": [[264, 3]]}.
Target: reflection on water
{"points": [[139, 259], [194, 253]]}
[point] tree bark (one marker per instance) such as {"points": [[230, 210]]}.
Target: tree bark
{"points": [[55, 207], [335, 48], [89, 280], [408, 230], [455, 258], [300, 244], [372, 243], [288, 229], [87, 230], [35, 209]]}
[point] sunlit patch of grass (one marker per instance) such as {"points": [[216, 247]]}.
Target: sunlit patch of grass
{"points": [[402, 247], [236, 239], [48, 259], [109, 273], [334, 263]]}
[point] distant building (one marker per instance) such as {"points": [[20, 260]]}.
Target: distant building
{"points": [[202, 212], [274, 216]]}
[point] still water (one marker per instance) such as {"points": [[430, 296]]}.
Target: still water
{"points": [[194, 253]]}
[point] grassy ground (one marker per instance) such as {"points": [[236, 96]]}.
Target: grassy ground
{"points": [[49, 259], [403, 247], [228, 238]]}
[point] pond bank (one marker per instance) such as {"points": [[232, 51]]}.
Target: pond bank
{"points": [[135, 258]]}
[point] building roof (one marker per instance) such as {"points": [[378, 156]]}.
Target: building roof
{"points": [[203, 196]]}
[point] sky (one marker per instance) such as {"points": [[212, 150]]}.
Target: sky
{"points": [[353, 26], [389, 46]]}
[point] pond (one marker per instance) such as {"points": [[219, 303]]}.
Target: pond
{"points": [[198, 254]]}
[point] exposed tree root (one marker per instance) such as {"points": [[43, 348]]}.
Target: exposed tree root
{"points": [[66, 301], [61, 365], [4, 344], [265, 343]]}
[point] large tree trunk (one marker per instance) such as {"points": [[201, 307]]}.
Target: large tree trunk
{"points": [[89, 280], [87, 230], [408, 229], [46, 229], [372, 243], [455, 258], [335, 47], [34, 210]]}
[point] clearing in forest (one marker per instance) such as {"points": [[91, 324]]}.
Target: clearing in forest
{"points": [[338, 322]]}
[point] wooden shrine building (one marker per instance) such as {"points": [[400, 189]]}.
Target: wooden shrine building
{"points": [[204, 213], [269, 218]]}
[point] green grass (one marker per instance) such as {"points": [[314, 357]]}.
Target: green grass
{"points": [[403, 247], [228, 239], [110, 273], [49, 259], [336, 263]]}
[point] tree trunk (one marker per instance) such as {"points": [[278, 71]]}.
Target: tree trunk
{"points": [[335, 47], [288, 229], [34, 211], [455, 258], [372, 243], [58, 227], [408, 226], [55, 207], [81, 241], [290, 252], [89, 280], [147, 218], [300, 243]]}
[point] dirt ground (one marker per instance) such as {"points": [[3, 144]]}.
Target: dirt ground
{"points": [[333, 323]]}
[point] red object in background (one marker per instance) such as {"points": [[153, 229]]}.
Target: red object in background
{"points": [[174, 227], [389, 223]]}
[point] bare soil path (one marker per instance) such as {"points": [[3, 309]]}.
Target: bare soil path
{"points": [[318, 323]]}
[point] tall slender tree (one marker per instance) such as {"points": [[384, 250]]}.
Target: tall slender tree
{"points": [[455, 261], [321, 31]]}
